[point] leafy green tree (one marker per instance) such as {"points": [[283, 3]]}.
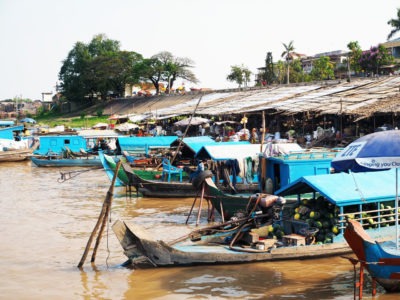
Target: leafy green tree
{"points": [[150, 69], [354, 56], [175, 68], [395, 23], [269, 75], [95, 70], [323, 69], [240, 75], [71, 75], [287, 54], [164, 67], [371, 60], [280, 70], [296, 71]]}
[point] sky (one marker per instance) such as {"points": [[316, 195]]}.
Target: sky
{"points": [[36, 36]]}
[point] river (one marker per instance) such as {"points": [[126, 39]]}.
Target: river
{"points": [[45, 226]]}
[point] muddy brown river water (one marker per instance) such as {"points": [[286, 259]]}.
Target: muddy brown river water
{"points": [[45, 226]]}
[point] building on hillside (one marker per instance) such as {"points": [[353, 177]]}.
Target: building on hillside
{"points": [[337, 57], [394, 47]]}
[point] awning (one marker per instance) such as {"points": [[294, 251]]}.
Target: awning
{"points": [[344, 189]]}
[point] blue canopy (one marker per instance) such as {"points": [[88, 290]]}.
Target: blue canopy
{"points": [[195, 143], [344, 189], [8, 132], [143, 144]]}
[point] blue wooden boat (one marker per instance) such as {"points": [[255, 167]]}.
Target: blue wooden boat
{"points": [[382, 260], [56, 161], [69, 151], [13, 145]]}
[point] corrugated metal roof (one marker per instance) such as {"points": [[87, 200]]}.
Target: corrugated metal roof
{"points": [[344, 189], [359, 97]]}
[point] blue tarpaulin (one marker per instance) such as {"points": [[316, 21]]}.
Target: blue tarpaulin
{"points": [[135, 144], [344, 189]]}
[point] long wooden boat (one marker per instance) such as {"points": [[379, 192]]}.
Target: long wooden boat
{"points": [[15, 155], [257, 236], [11, 154], [300, 228], [49, 161], [143, 180], [158, 188], [232, 242], [109, 164], [382, 260]]}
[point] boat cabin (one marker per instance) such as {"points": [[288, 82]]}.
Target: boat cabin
{"points": [[11, 132], [278, 171], [56, 144], [323, 202]]}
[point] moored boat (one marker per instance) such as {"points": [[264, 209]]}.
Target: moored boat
{"points": [[276, 231], [55, 161], [382, 260], [12, 151]]}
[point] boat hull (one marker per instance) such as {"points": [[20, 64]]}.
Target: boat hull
{"points": [[141, 248], [15, 155], [67, 162], [382, 260]]}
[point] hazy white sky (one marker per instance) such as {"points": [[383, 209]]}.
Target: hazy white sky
{"points": [[36, 35]]}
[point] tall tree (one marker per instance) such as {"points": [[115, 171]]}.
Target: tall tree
{"points": [[371, 60], [269, 75], [395, 23], [287, 54], [95, 70], [280, 71], [354, 56], [73, 85], [323, 69], [150, 69], [164, 67], [240, 75]]}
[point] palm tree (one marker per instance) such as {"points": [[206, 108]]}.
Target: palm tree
{"points": [[395, 23], [287, 54]]}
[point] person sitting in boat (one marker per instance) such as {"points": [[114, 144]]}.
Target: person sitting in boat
{"points": [[200, 168]]}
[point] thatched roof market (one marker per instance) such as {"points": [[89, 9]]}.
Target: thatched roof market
{"points": [[359, 97]]}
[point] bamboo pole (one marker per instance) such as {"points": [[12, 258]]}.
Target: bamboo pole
{"points": [[101, 220], [201, 203], [186, 130]]}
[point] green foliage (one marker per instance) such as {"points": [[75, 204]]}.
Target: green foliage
{"points": [[374, 58], [354, 56], [287, 54], [269, 75], [93, 71], [99, 112], [164, 67], [323, 69], [240, 75], [395, 23], [52, 120]]}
